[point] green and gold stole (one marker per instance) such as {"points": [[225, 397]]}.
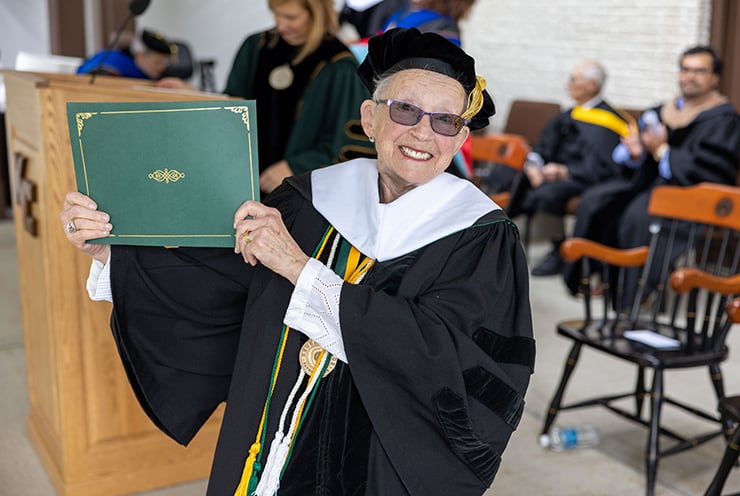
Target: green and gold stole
{"points": [[345, 260]]}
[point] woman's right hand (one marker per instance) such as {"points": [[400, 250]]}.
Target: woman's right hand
{"points": [[81, 220]]}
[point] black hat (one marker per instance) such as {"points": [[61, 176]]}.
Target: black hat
{"points": [[155, 41], [399, 49]]}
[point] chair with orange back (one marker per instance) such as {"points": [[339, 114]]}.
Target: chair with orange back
{"points": [[525, 122], [729, 407], [508, 150], [696, 230], [528, 118]]}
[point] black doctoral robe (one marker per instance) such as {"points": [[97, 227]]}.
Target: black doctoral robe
{"points": [[615, 212], [439, 344], [584, 147]]}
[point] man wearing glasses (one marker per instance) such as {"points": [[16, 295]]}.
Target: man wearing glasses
{"points": [[692, 138]]}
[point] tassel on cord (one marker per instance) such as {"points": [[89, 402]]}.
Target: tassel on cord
{"points": [[252, 466], [279, 447], [247, 473], [475, 98], [270, 481]]}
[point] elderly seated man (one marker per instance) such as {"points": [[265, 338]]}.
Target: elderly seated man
{"points": [[691, 138], [572, 154]]}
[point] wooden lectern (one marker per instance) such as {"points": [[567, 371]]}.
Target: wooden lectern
{"points": [[84, 421]]}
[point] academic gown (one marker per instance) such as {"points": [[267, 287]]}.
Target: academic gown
{"points": [[315, 121], [115, 63], [585, 147], [615, 212], [439, 344]]}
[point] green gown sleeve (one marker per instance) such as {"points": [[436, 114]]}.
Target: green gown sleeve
{"points": [[323, 134], [241, 77]]}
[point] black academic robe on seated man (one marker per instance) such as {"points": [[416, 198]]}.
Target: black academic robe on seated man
{"points": [[438, 340], [706, 149], [582, 139]]}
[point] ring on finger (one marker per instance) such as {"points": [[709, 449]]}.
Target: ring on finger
{"points": [[71, 228], [246, 237]]}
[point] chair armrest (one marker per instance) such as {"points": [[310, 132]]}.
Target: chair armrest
{"points": [[684, 280], [501, 199], [733, 310], [501, 148], [576, 248]]}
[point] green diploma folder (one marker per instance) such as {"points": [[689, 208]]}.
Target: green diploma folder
{"points": [[168, 173]]}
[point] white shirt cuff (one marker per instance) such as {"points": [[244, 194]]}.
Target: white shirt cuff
{"points": [[98, 281], [314, 307]]}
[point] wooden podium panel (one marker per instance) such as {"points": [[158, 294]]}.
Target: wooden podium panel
{"points": [[84, 422]]}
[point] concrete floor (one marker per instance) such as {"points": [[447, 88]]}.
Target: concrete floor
{"points": [[615, 467]]}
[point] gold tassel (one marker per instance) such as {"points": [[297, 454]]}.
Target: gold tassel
{"points": [[475, 98], [241, 490]]}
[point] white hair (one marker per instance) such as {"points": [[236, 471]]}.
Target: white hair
{"points": [[593, 71]]}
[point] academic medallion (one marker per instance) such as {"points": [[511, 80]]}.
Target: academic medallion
{"points": [[281, 77], [309, 354]]}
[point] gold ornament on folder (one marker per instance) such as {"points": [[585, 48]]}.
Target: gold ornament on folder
{"points": [[244, 111], [80, 118], [167, 175]]}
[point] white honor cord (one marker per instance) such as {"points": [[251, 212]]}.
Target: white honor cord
{"points": [[269, 483]]}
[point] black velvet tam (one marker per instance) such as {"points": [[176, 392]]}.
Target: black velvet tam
{"points": [[400, 48], [155, 41]]}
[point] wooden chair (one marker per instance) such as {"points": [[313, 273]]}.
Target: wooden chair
{"points": [[730, 408], [504, 149], [528, 118], [525, 122], [705, 220]]}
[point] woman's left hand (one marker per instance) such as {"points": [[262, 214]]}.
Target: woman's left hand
{"points": [[261, 236], [271, 177]]}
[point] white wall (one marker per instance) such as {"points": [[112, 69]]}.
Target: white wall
{"points": [[24, 25], [526, 48]]}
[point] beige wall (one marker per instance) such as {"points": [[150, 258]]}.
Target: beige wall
{"points": [[526, 48]]}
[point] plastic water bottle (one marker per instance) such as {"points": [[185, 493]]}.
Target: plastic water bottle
{"points": [[565, 438]]}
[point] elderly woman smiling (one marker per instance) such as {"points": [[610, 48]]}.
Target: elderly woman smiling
{"points": [[378, 339]]}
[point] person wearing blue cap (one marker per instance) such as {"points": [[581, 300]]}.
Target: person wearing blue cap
{"points": [[147, 58]]}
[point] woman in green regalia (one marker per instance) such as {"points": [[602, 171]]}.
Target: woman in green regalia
{"points": [[307, 91]]}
